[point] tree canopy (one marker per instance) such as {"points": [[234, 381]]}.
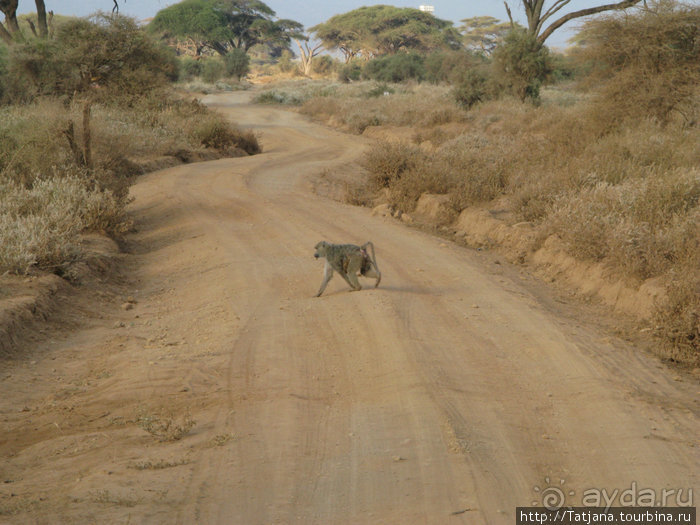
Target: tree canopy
{"points": [[105, 56], [223, 25], [484, 33], [382, 29]]}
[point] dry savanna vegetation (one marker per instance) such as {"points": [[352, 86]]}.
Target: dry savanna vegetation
{"points": [[607, 162], [80, 112]]}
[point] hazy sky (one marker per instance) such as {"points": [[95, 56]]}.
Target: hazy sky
{"points": [[311, 12]]}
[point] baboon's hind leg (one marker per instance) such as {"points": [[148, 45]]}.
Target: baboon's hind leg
{"points": [[373, 273], [371, 269], [353, 267]]}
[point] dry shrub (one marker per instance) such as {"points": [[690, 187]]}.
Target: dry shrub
{"points": [[31, 140], [678, 318], [218, 133], [466, 167], [647, 62], [476, 167], [406, 171], [111, 52], [642, 228], [388, 161], [39, 227]]}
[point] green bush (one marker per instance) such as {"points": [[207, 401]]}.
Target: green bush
{"points": [[350, 72], [563, 67], [475, 86], [213, 70], [108, 52], [450, 66], [323, 64], [285, 63], [522, 64], [395, 68], [190, 68], [237, 63]]}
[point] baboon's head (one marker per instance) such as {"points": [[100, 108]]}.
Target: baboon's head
{"points": [[320, 249]]}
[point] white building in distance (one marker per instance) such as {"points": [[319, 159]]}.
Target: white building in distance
{"points": [[427, 8]]}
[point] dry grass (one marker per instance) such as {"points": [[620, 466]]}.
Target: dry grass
{"points": [[356, 106], [39, 227], [159, 465], [49, 197], [165, 425], [106, 497], [419, 105]]}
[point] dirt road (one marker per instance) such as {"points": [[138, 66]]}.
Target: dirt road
{"points": [[451, 394]]}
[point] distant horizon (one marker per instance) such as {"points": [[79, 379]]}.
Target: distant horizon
{"points": [[312, 12]]}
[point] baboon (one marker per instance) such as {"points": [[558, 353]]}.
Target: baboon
{"points": [[348, 260]]}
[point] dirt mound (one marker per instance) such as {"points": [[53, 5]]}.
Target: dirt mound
{"points": [[519, 243], [27, 301], [23, 302]]}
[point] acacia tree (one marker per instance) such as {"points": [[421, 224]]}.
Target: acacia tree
{"points": [[382, 29], [334, 36], [537, 15], [307, 53], [483, 33], [222, 25]]}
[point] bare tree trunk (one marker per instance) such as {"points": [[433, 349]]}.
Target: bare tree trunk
{"points": [[41, 16], [347, 54], [510, 15], [307, 54], [69, 132], [87, 144], [81, 157], [9, 9], [536, 17], [32, 27], [584, 12], [5, 35]]}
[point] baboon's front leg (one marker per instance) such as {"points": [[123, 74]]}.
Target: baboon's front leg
{"points": [[327, 274]]}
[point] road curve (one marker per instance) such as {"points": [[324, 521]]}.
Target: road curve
{"points": [[448, 395]]}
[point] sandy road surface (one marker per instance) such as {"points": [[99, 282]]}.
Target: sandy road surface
{"points": [[448, 395]]}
